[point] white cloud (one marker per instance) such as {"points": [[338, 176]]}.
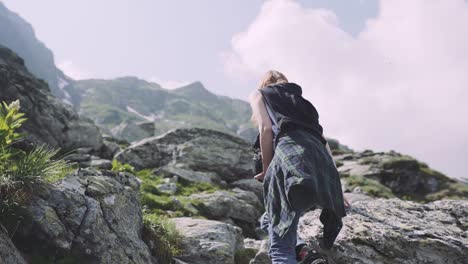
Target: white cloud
{"points": [[399, 84], [73, 71], [168, 84]]}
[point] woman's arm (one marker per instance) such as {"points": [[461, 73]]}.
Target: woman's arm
{"points": [[264, 128], [330, 153]]}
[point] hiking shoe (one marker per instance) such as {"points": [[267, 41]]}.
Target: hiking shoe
{"points": [[311, 256]]}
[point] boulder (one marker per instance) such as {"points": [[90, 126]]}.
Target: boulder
{"points": [[251, 185], [262, 255], [196, 149], [50, 121], [8, 252], [396, 231], [89, 216], [240, 206], [208, 241], [188, 175]]}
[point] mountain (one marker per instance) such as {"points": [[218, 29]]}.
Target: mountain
{"points": [[128, 108], [133, 109], [18, 35]]}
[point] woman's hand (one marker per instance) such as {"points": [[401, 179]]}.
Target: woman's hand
{"points": [[346, 202], [259, 177]]}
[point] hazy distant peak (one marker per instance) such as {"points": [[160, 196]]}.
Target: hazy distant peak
{"points": [[195, 90]]}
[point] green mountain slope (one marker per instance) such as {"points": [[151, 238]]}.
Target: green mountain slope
{"points": [[132, 109]]}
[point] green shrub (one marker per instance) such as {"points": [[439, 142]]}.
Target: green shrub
{"points": [[22, 171], [162, 237], [120, 167]]}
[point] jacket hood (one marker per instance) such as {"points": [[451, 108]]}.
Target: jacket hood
{"points": [[289, 87]]}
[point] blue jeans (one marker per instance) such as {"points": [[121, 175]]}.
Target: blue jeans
{"points": [[283, 250]]}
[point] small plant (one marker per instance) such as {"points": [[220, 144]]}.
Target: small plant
{"points": [[21, 171], [161, 236], [120, 167]]}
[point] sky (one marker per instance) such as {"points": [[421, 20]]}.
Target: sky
{"points": [[383, 74]]}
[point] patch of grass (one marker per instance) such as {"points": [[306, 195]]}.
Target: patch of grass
{"points": [[165, 204], [455, 191], [244, 256], [162, 237], [120, 167], [402, 163], [369, 160], [187, 189], [336, 152], [59, 176], [369, 186], [338, 163]]}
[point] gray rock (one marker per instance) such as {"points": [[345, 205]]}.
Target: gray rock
{"points": [[242, 207], [169, 186], [236, 204], [91, 216], [262, 255], [8, 252], [189, 175], [196, 149], [252, 243], [250, 185], [49, 120], [208, 241], [99, 164], [396, 231]]}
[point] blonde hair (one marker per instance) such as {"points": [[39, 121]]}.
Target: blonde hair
{"points": [[272, 77]]}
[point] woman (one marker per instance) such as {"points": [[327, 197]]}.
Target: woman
{"points": [[299, 173]]}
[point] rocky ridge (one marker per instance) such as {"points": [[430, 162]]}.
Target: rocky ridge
{"points": [[18, 35], [49, 120]]}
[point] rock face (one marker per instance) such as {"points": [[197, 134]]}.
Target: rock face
{"points": [[195, 149], [49, 120], [18, 35], [88, 216], [208, 241], [396, 231], [8, 252]]}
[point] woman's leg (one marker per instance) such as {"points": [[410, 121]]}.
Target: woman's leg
{"points": [[283, 250]]}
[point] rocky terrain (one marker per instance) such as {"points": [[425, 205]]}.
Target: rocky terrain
{"points": [[186, 195], [393, 231]]}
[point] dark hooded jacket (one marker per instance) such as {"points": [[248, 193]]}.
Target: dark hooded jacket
{"points": [[289, 110]]}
